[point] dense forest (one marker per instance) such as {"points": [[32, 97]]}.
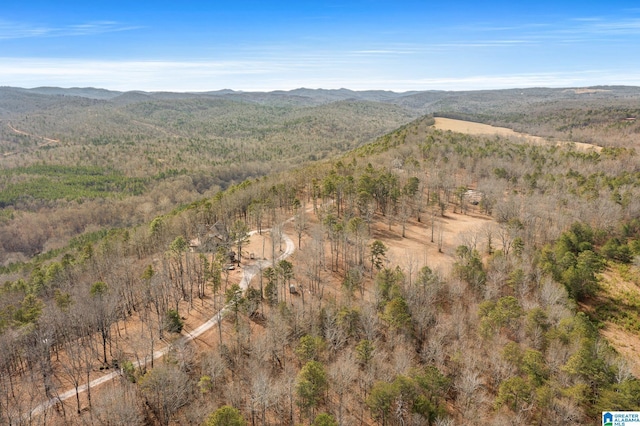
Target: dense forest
{"points": [[423, 278], [72, 165]]}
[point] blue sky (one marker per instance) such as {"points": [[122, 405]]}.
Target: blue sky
{"points": [[357, 44]]}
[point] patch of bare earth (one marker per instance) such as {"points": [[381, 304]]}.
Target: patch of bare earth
{"points": [[418, 249], [625, 341]]}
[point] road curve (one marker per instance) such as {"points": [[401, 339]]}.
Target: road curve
{"points": [[248, 272]]}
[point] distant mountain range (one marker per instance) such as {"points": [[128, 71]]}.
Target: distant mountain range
{"points": [[20, 100]]}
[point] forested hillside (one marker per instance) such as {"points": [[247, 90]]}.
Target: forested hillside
{"points": [[603, 116], [74, 164], [427, 277]]}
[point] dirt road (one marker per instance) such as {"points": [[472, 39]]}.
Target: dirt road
{"points": [[249, 271]]}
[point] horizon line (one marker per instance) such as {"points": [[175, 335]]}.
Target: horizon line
{"points": [[207, 91]]}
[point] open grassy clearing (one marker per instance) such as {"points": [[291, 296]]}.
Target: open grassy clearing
{"points": [[472, 128]]}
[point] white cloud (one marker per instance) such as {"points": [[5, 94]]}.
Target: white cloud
{"points": [[16, 30], [627, 27], [574, 30], [487, 43], [128, 75], [12, 30], [383, 52], [264, 75], [479, 82]]}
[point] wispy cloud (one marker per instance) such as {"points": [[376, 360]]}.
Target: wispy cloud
{"points": [[502, 81], [431, 47], [588, 19], [573, 30], [264, 75], [387, 50], [382, 52], [621, 27], [131, 75], [486, 43], [15, 30], [490, 28]]}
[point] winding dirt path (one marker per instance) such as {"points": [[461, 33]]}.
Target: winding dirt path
{"points": [[48, 141], [248, 272]]}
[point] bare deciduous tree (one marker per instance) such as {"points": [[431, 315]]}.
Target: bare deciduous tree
{"points": [[166, 389], [119, 404]]}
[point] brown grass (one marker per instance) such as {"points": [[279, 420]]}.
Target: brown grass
{"points": [[472, 128], [615, 287], [417, 247]]}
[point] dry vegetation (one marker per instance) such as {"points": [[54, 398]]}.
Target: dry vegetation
{"points": [[472, 128], [600, 116], [141, 156], [439, 278]]}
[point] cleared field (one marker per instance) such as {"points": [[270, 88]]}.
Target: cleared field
{"points": [[471, 128]]}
